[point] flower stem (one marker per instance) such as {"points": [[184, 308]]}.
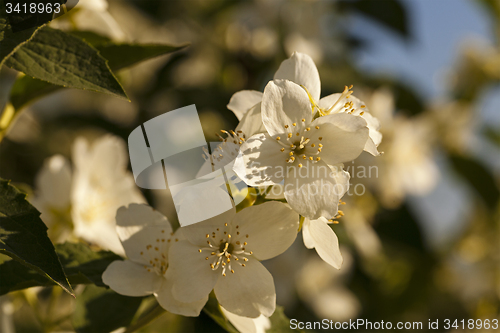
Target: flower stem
{"points": [[156, 312]]}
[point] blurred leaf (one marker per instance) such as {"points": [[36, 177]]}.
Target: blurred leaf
{"points": [[390, 13], [102, 310], [493, 135], [280, 322], [492, 7], [400, 228], [478, 177], [10, 41], [65, 60], [119, 56], [81, 264], [23, 236], [212, 309]]}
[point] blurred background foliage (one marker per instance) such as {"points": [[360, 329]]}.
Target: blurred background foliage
{"points": [[401, 263]]}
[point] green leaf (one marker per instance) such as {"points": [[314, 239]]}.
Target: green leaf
{"points": [[91, 37], [125, 55], [10, 41], [102, 310], [479, 177], [280, 322], [65, 60], [27, 89], [23, 236], [81, 264], [212, 309], [389, 13]]}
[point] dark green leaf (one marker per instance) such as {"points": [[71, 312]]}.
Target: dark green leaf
{"points": [[81, 264], [390, 13], [102, 310], [10, 41], [479, 177], [27, 89], [65, 60], [23, 236]]}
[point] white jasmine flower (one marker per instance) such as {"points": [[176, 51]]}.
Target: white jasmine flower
{"points": [[306, 153], [408, 166], [52, 197], [101, 184], [248, 325], [300, 68], [223, 253], [82, 202], [146, 236]]}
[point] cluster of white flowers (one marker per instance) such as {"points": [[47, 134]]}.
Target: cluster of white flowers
{"points": [[287, 136]]}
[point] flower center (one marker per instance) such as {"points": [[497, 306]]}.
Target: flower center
{"points": [[156, 254], [301, 145], [225, 250]]}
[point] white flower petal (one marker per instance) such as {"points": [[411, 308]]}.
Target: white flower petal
{"points": [[101, 185], [300, 68], [168, 302], [242, 101], [53, 182], [374, 126], [370, 147], [131, 279], [251, 123], [314, 190], [318, 234], [100, 232], [248, 325], [199, 202], [373, 123], [107, 154], [271, 227], [285, 103], [191, 275], [328, 101], [140, 226], [249, 291], [196, 233], [260, 161], [343, 136]]}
